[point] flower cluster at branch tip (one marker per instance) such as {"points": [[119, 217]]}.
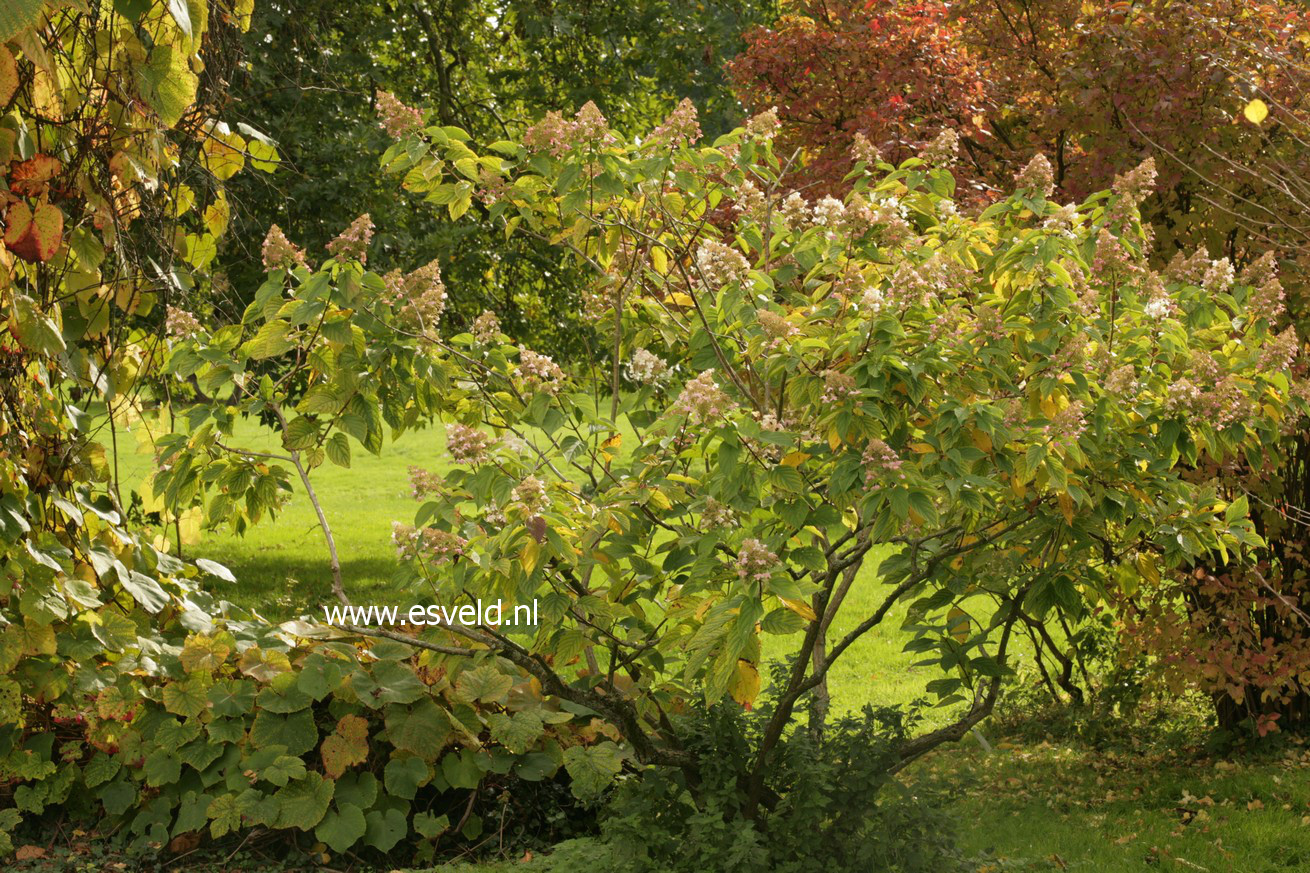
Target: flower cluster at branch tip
{"points": [[1037, 176], [794, 210], [765, 125], [942, 151], [486, 328], [426, 544], [881, 461], [1122, 382], [539, 371], [1219, 275], [717, 515], [180, 323], [776, 327], [556, 134], [864, 151], [467, 445], [646, 368], [1067, 425], [530, 496], [1158, 308], [279, 253], [397, 119], [352, 243], [1279, 352], [420, 296], [1132, 188], [702, 400], [1062, 220], [680, 128], [720, 264], [838, 386], [1110, 254], [829, 212], [424, 482], [755, 563]]}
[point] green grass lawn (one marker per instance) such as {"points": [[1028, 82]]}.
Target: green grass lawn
{"points": [[1033, 807]]}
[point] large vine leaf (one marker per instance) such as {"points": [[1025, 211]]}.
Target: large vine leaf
{"points": [[592, 768], [17, 16], [342, 827], [423, 729], [304, 803]]}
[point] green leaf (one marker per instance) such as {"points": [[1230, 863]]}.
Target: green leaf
{"points": [[517, 732], [592, 768], [431, 826], [423, 729], [342, 827], [232, 697], [269, 341], [214, 568], [296, 732], [168, 84], [144, 590], [304, 803], [117, 797], [162, 767], [338, 449], [403, 776], [188, 698], [224, 815], [485, 683], [397, 683], [385, 828], [100, 770]]}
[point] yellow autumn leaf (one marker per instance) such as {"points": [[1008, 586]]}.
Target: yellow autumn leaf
{"points": [[1146, 567], [1066, 507], [659, 260], [745, 684], [922, 448], [957, 622], [794, 459], [677, 298], [981, 441], [1256, 111], [658, 498], [800, 607], [834, 438], [531, 551]]}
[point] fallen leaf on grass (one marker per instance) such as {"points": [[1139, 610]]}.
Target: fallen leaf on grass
{"points": [[28, 853]]}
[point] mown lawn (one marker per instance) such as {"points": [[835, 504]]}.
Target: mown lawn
{"points": [[1028, 807]]}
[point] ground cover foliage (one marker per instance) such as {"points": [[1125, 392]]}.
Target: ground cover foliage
{"points": [[1007, 408]]}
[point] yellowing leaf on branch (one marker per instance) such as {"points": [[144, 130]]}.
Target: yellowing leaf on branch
{"points": [[800, 607], [1066, 508], [957, 622], [745, 683], [1256, 111]]}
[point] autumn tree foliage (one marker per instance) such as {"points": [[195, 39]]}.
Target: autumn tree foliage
{"points": [[1095, 87], [894, 72]]}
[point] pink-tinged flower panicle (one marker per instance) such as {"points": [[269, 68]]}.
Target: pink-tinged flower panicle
{"points": [[180, 323], [467, 445], [882, 465], [397, 119], [539, 372], [352, 244], [755, 562], [702, 400], [279, 253]]}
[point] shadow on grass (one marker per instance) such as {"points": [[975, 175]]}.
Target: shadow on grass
{"points": [[285, 586]]}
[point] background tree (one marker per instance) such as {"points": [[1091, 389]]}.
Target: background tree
{"points": [[313, 74]]}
